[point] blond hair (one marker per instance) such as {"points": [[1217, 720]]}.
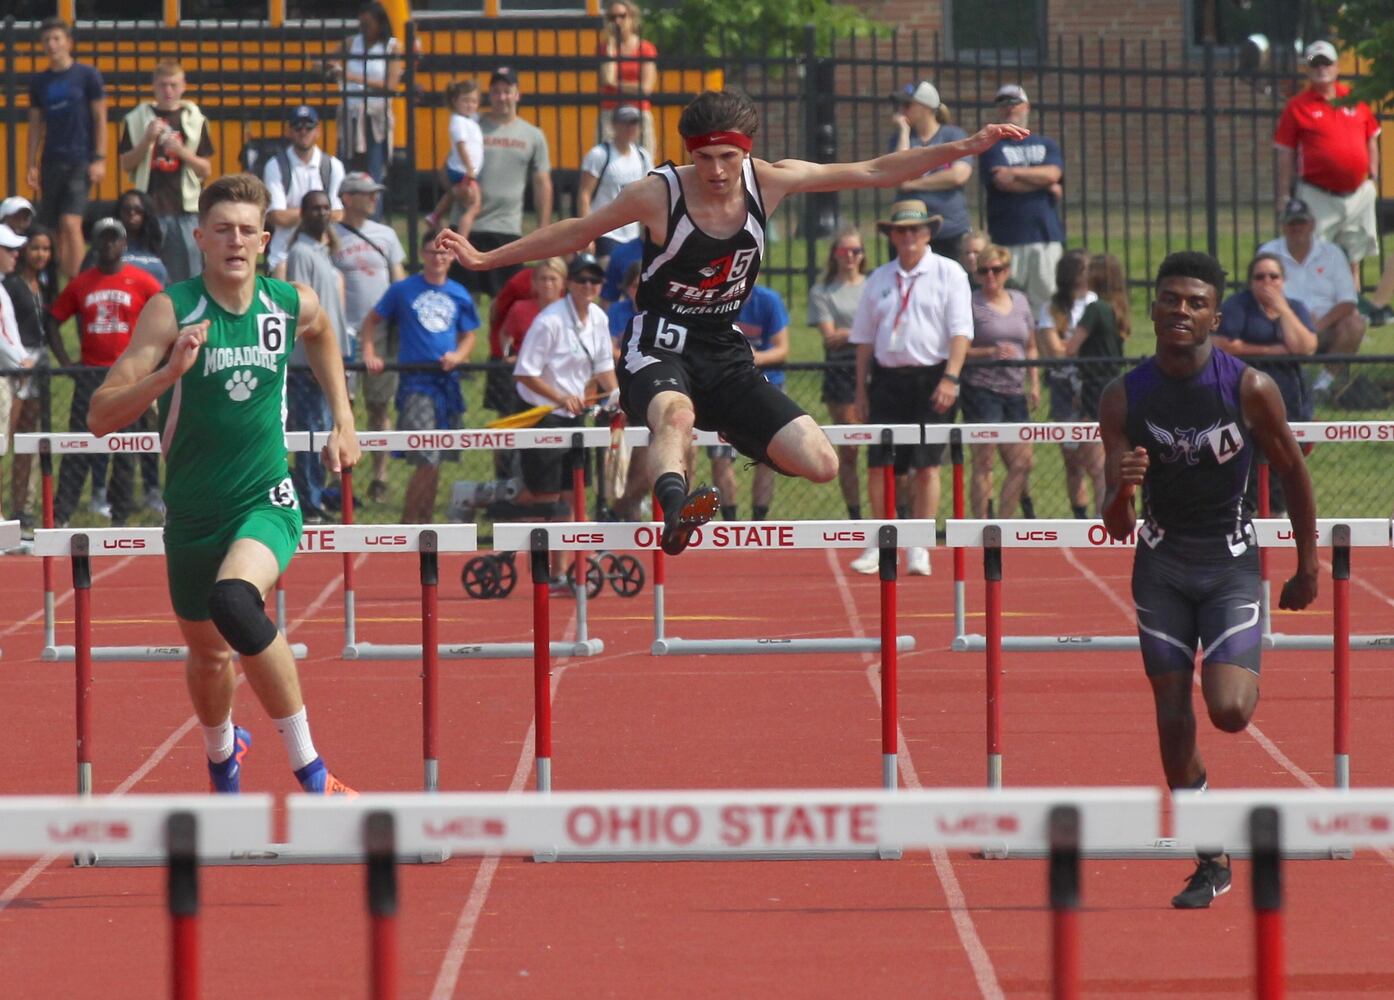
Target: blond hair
{"points": [[166, 68]]}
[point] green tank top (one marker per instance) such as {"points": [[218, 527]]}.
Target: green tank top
{"points": [[222, 425]]}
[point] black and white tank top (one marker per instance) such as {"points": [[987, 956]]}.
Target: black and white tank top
{"points": [[693, 278]]}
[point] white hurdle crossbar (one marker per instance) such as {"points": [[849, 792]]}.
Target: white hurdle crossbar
{"points": [[725, 536], [1340, 535]]}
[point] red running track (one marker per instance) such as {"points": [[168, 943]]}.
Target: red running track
{"points": [[926, 926]]}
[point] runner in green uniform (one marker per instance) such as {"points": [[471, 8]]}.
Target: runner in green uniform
{"points": [[213, 350]]}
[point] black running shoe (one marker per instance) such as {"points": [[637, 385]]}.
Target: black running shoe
{"points": [[700, 507], [1209, 880]]}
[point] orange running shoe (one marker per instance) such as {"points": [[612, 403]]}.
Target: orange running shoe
{"points": [[700, 507]]}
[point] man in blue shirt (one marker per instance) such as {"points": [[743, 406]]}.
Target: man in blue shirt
{"points": [[67, 121], [620, 258], [436, 320], [764, 320], [1022, 179]]}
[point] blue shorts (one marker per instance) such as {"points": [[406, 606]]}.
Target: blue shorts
{"points": [[1191, 594], [988, 406]]}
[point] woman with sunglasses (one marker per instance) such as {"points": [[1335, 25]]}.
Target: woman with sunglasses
{"points": [[629, 72], [1262, 322], [832, 303], [1003, 330]]}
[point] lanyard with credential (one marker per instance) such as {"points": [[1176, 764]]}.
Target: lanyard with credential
{"points": [[898, 325]]}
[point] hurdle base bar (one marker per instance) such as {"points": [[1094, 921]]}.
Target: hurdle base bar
{"points": [[1280, 640], [1165, 849], [471, 651], [262, 857], [1341, 771], [673, 646], [137, 654], [974, 643], [879, 854]]}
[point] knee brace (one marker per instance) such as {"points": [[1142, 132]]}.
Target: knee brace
{"points": [[239, 614]]}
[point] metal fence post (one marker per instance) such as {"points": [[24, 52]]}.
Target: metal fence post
{"points": [[413, 208], [11, 106], [1212, 209]]}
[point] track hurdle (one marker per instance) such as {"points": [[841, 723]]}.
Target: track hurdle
{"points": [[45, 445], [175, 829], [356, 648], [1275, 824], [993, 536], [80, 545], [9, 530], [725, 536]]}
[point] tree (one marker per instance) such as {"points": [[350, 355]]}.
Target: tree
{"points": [[1366, 27], [765, 26]]}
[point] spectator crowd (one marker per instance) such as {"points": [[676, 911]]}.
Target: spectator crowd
{"points": [[951, 326]]}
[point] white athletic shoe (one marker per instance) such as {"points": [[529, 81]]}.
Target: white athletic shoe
{"points": [[868, 562], [917, 562], [99, 505]]}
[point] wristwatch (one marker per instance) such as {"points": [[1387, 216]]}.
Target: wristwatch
{"points": [[954, 379]]}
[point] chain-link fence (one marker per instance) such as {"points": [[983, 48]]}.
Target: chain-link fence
{"points": [[1348, 465]]}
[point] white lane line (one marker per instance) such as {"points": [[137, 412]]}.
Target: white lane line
{"points": [[63, 598], [448, 976], [15, 888], [983, 969]]}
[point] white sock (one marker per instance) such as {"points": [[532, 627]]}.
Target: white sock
{"points": [[217, 741], [295, 733]]}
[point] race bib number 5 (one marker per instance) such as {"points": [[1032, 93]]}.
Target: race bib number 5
{"points": [[283, 495]]}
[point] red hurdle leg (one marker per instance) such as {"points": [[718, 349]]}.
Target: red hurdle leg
{"points": [[46, 478], [960, 555], [82, 659], [890, 714], [1064, 902], [181, 840], [1265, 841], [350, 602], [1340, 651], [379, 843], [992, 574], [430, 660], [1265, 608], [542, 657]]}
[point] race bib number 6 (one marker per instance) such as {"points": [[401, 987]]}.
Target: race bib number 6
{"points": [[271, 333], [283, 495]]}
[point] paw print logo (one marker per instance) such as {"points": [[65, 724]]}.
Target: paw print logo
{"points": [[240, 386]]}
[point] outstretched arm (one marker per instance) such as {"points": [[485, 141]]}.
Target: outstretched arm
{"points": [[891, 170], [644, 201], [141, 375], [1267, 419]]}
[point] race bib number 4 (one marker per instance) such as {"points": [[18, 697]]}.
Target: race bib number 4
{"points": [[283, 495]]}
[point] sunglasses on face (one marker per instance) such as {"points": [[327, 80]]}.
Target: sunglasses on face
{"points": [[589, 279], [993, 269], [621, 16], [1267, 276], [1319, 62], [303, 127], [850, 251]]}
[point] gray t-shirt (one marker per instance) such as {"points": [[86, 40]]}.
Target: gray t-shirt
{"points": [[512, 154], [308, 263], [991, 329], [366, 268], [836, 302], [951, 204]]}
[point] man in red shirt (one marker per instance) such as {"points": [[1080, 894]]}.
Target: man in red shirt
{"points": [[107, 300], [1332, 151]]}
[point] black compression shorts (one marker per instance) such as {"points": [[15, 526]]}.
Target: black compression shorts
{"points": [[713, 368]]}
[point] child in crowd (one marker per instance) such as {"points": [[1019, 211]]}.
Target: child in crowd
{"points": [[465, 159]]}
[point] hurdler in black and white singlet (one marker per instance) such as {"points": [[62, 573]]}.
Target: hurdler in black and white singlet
{"points": [[684, 337]]}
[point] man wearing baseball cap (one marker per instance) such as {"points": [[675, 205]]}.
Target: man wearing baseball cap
{"points": [[13, 353], [912, 330], [607, 169], [1317, 276], [1335, 148], [1022, 179], [17, 213], [921, 119], [515, 154], [303, 167], [106, 299]]}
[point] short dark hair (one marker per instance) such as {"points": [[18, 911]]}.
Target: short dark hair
{"points": [[428, 236], [245, 188], [719, 111], [1194, 264], [55, 24], [459, 88]]}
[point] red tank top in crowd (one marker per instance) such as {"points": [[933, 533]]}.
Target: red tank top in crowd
{"points": [[693, 278]]}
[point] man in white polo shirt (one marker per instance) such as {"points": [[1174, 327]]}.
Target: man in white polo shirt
{"points": [[310, 169], [912, 329], [1318, 275]]}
